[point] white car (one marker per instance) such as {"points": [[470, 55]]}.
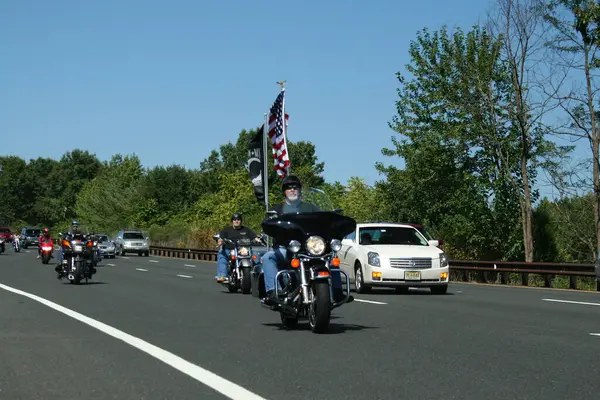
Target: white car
{"points": [[393, 255]]}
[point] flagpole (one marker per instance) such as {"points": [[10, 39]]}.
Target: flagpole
{"points": [[265, 162]]}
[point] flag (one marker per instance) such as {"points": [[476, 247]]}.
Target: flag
{"points": [[276, 134], [256, 163]]}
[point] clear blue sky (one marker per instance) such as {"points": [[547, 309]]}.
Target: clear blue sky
{"points": [[172, 80]]}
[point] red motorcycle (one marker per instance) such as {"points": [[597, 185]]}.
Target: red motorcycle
{"points": [[47, 247]]}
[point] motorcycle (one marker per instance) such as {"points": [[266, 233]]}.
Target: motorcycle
{"points": [[16, 245], [313, 240], [46, 252], [77, 258], [240, 264]]}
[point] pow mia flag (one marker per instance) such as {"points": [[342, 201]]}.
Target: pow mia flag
{"points": [[256, 163]]}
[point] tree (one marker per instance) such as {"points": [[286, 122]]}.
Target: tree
{"points": [[575, 24]]}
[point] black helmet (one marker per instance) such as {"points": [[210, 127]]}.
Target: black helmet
{"points": [[290, 180], [236, 216]]}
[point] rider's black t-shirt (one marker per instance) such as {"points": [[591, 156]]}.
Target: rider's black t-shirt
{"points": [[229, 232]]}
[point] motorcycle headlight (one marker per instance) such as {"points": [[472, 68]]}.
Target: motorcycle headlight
{"points": [[294, 246], [243, 251], [315, 245], [336, 245], [232, 252]]}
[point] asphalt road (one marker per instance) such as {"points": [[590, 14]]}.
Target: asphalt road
{"points": [[169, 326]]}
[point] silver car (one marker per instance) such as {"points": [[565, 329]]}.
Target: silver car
{"points": [[132, 241], [107, 246]]}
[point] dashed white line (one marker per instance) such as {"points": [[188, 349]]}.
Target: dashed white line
{"points": [[196, 372], [189, 265], [111, 265], [185, 276], [127, 258], [595, 334], [369, 301], [141, 269], [152, 261], [572, 302]]}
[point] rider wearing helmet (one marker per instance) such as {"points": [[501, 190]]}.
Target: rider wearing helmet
{"points": [[234, 232], [275, 259], [44, 237], [75, 231]]}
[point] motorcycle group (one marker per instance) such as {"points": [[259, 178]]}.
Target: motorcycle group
{"points": [[299, 275], [78, 253]]}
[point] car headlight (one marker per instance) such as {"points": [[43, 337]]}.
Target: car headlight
{"points": [[373, 259], [315, 245], [443, 260], [243, 251], [294, 246], [336, 245], [232, 252]]}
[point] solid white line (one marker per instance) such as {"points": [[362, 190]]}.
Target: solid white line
{"points": [[189, 265], [185, 276], [369, 301], [152, 261], [194, 371], [595, 334], [141, 269], [573, 302]]}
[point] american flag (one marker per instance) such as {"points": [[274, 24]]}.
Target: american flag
{"points": [[278, 142]]}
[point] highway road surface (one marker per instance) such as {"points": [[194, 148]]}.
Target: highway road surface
{"points": [[158, 328]]}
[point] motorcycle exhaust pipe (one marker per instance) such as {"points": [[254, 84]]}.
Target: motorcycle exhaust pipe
{"points": [[71, 277]]}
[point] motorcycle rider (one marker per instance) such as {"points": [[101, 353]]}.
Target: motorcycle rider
{"points": [[44, 237], [234, 232], [275, 260], [74, 234]]}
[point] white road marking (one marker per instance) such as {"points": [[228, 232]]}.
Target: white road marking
{"points": [[127, 258], [573, 302], [595, 334], [189, 265], [369, 301], [152, 261], [185, 276], [141, 269], [194, 371], [111, 265]]}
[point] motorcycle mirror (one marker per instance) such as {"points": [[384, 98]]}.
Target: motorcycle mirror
{"points": [[339, 211], [217, 236], [272, 214]]}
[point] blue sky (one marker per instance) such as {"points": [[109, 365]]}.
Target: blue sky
{"points": [[172, 80]]}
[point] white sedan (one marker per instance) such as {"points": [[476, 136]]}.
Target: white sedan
{"points": [[393, 255]]}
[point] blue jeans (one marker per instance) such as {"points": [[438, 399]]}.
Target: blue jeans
{"points": [[223, 263], [275, 260], [60, 255]]}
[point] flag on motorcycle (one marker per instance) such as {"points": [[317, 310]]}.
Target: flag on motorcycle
{"points": [[256, 163], [277, 135]]}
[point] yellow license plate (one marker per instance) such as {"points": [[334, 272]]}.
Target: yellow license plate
{"points": [[412, 275]]}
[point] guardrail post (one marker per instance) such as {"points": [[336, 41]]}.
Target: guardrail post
{"points": [[524, 279], [572, 282]]}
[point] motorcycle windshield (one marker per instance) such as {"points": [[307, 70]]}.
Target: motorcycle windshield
{"points": [[327, 224]]}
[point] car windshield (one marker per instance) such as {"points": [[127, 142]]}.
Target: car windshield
{"points": [[133, 235], [33, 232], [426, 233], [387, 235], [102, 238]]}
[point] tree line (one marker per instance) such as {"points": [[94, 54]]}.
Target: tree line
{"points": [[476, 112]]}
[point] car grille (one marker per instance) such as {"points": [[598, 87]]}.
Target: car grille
{"points": [[416, 263]]}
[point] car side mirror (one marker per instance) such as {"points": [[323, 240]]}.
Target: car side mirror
{"points": [[347, 242], [272, 214], [434, 243]]}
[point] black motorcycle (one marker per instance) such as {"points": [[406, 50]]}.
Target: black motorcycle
{"points": [[240, 263], [313, 240], [77, 263]]}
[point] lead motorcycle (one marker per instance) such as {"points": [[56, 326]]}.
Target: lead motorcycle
{"points": [[77, 258], [240, 259], [313, 241]]}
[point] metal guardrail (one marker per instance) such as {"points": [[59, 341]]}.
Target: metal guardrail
{"points": [[489, 271]]}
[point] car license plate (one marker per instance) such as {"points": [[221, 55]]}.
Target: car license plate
{"points": [[412, 275]]}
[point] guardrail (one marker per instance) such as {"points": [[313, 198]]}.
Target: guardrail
{"points": [[482, 271]]}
